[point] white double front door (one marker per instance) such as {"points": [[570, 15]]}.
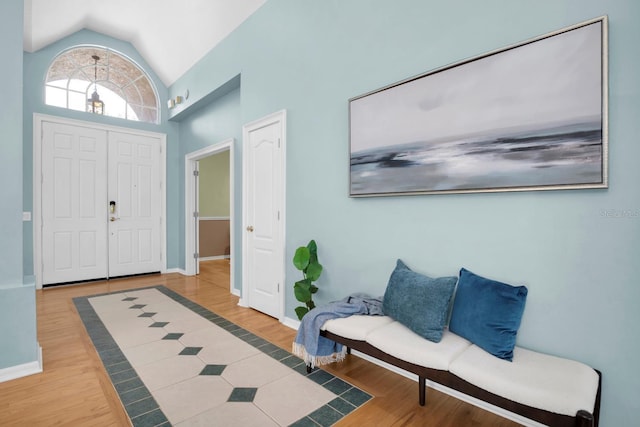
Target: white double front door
{"points": [[100, 203]]}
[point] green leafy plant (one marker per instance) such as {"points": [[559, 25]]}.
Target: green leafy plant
{"points": [[306, 260]]}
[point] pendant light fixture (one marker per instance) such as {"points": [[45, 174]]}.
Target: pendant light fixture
{"points": [[94, 105]]}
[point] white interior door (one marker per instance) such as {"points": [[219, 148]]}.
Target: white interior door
{"points": [[264, 201], [74, 197], [135, 194]]}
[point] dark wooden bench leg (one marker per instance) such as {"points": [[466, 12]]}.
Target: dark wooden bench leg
{"points": [[422, 384], [348, 350], [584, 419]]}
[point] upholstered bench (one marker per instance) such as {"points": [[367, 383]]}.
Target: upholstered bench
{"points": [[547, 389], [460, 332]]}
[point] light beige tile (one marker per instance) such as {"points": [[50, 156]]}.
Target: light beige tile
{"points": [[145, 293], [185, 322], [152, 352], [208, 335], [255, 371], [192, 397], [107, 302], [172, 370], [226, 350], [231, 414], [290, 398]]}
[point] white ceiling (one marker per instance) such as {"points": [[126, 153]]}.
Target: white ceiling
{"points": [[171, 35]]}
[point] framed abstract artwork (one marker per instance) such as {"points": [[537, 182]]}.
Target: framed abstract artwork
{"points": [[532, 116]]}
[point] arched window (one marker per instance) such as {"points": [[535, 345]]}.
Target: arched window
{"points": [[122, 85]]}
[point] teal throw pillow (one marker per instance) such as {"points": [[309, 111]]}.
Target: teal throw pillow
{"points": [[488, 313], [418, 301]]}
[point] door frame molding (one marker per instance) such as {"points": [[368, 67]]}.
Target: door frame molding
{"points": [[38, 120], [190, 160], [279, 116]]}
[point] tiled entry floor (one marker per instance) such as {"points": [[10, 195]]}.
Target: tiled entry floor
{"points": [[174, 362]]}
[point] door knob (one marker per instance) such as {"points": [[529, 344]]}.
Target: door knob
{"points": [[250, 228], [113, 218]]}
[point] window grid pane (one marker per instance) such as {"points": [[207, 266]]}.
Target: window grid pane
{"points": [[124, 88]]}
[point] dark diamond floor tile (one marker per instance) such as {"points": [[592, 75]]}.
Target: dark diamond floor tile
{"points": [[213, 370], [147, 314], [138, 306], [173, 336], [158, 324], [190, 351], [130, 299], [242, 394]]}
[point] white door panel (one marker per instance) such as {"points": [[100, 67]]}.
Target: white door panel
{"points": [[264, 195], [134, 226], [74, 192], [83, 169]]}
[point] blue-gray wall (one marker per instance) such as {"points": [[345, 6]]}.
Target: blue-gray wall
{"points": [[578, 262], [309, 58], [18, 341], [216, 121]]}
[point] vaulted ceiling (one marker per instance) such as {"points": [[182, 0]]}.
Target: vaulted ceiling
{"points": [[171, 35]]}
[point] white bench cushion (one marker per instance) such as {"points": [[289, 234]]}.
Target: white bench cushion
{"points": [[399, 341], [355, 327], [547, 382]]}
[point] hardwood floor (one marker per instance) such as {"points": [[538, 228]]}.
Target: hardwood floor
{"points": [[74, 389]]}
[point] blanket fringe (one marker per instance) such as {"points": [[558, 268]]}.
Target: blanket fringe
{"points": [[314, 361]]}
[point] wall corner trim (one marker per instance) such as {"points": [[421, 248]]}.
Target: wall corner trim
{"points": [[23, 370]]}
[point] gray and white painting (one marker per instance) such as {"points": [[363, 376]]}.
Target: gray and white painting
{"points": [[528, 116]]}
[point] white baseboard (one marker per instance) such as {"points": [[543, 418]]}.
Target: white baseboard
{"points": [[242, 303], [19, 371], [292, 323], [235, 292], [176, 270]]}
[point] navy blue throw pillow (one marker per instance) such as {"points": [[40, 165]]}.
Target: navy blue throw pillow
{"points": [[488, 313], [418, 301]]}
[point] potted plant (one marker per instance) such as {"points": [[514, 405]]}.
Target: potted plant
{"points": [[306, 260]]}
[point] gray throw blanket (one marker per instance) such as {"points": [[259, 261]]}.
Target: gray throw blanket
{"points": [[317, 350]]}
